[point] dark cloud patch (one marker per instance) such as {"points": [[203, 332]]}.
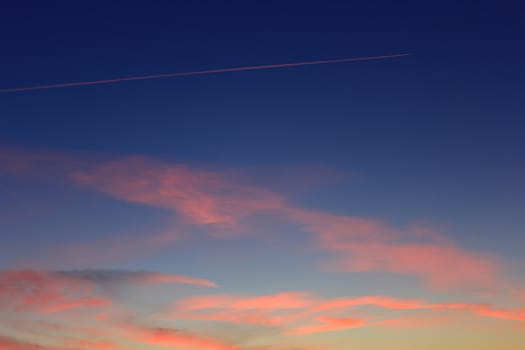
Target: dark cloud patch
{"points": [[107, 276]]}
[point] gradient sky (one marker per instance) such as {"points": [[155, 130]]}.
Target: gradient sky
{"points": [[363, 205]]}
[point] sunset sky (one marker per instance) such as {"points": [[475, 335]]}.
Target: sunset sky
{"points": [[371, 204]]}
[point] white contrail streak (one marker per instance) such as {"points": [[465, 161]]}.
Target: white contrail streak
{"points": [[202, 72]]}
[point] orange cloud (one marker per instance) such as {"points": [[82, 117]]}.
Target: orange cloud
{"points": [[12, 344], [293, 312], [133, 276], [91, 302], [8, 343], [329, 324], [266, 310], [303, 313], [175, 338], [483, 310], [280, 301], [380, 301]]}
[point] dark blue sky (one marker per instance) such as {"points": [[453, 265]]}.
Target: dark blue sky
{"points": [[437, 135]]}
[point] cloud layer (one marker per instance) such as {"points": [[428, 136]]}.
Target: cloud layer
{"points": [[59, 309]]}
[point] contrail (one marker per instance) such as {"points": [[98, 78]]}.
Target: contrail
{"points": [[201, 72]]}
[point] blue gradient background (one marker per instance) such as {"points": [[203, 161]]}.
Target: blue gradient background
{"points": [[436, 137]]}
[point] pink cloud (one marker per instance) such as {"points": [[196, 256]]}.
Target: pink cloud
{"points": [[173, 338], [156, 277], [100, 276], [329, 324], [55, 291], [259, 318], [380, 301], [44, 292], [280, 301], [483, 310], [441, 267], [266, 310], [304, 313], [368, 245], [201, 197], [222, 205], [361, 244], [299, 312]]}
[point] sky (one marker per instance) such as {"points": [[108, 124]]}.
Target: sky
{"points": [[373, 204]]}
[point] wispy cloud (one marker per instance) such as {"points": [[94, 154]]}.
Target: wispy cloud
{"points": [[176, 338], [127, 276], [329, 324], [201, 197], [216, 205], [305, 313], [221, 206], [279, 301], [45, 292], [54, 291]]}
